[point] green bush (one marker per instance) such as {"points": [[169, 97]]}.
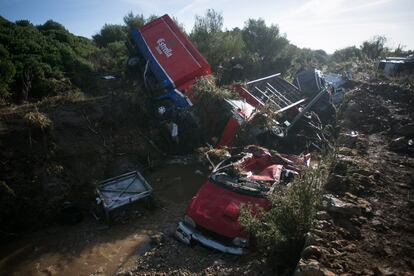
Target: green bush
{"points": [[280, 231], [41, 61]]}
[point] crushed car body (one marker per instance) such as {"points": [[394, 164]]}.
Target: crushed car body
{"points": [[246, 178]]}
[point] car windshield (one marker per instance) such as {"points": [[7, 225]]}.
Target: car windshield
{"points": [[242, 185], [247, 174], [256, 171]]}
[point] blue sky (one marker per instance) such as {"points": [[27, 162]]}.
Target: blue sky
{"points": [[317, 24]]}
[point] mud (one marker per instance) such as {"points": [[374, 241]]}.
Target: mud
{"points": [[93, 248]]}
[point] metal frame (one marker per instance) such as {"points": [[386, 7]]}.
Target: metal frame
{"points": [[275, 91], [122, 199]]}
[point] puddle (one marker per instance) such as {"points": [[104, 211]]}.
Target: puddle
{"points": [[64, 258], [89, 248], [177, 183]]}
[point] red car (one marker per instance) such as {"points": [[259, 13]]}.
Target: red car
{"points": [[245, 178]]}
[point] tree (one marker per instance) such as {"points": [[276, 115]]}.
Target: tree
{"points": [[110, 33], [7, 72], [134, 21], [346, 54], [375, 47], [51, 25]]}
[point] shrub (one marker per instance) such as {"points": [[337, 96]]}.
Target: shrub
{"points": [[214, 111], [280, 231]]}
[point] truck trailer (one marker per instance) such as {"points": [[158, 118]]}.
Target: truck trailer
{"points": [[169, 58]]}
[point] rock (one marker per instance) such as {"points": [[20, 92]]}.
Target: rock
{"points": [[402, 144], [367, 272], [219, 262], [350, 248], [322, 224], [337, 184], [158, 239], [312, 239], [382, 271], [323, 215], [312, 251], [347, 151], [335, 205], [311, 268]]}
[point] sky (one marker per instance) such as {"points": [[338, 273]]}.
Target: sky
{"points": [[315, 24]]}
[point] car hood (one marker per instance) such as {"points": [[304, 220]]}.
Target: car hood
{"points": [[217, 209]]}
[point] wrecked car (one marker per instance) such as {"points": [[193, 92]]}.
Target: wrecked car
{"points": [[246, 178]]}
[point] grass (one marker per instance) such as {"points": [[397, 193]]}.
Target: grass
{"points": [[38, 120]]}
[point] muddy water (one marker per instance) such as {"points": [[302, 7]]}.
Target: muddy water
{"points": [[176, 183], [64, 256], [93, 248]]}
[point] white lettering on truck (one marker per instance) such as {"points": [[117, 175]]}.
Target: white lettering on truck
{"points": [[162, 48]]}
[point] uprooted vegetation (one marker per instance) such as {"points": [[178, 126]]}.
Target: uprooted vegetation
{"points": [[214, 111]]}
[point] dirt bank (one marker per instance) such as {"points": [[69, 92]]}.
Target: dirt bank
{"points": [[367, 225], [54, 154]]}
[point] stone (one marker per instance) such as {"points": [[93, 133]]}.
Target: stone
{"points": [[350, 248], [157, 239], [337, 184], [380, 271], [335, 205], [322, 224], [219, 262], [323, 215], [311, 268], [312, 239], [312, 251]]}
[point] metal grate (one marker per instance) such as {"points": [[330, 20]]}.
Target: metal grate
{"points": [[275, 91]]}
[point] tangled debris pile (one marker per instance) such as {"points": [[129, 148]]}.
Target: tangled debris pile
{"points": [[367, 223]]}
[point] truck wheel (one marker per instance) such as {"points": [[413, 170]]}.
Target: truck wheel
{"points": [[133, 62], [163, 109]]}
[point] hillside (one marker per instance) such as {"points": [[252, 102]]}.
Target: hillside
{"points": [[47, 60]]}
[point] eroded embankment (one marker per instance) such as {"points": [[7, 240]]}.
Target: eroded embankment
{"points": [[367, 226], [57, 154]]}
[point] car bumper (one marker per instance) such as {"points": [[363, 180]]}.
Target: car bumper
{"points": [[187, 235]]}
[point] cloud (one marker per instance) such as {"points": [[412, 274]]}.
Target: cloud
{"points": [[192, 6], [320, 10]]}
